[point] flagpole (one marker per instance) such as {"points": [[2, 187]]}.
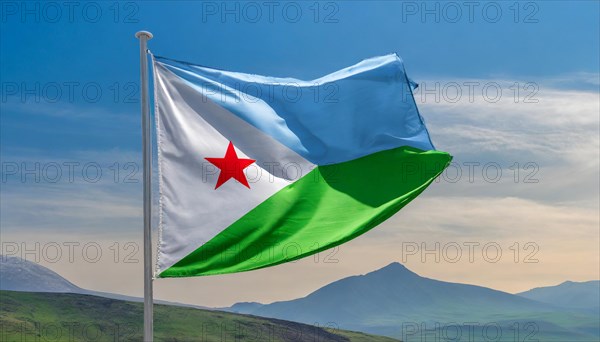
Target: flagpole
{"points": [[144, 36]]}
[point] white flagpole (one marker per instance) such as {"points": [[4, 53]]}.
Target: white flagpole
{"points": [[144, 36]]}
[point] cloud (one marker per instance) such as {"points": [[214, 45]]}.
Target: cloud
{"points": [[559, 121], [64, 108], [558, 212], [540, 243], [80, 191], [554, 137]]}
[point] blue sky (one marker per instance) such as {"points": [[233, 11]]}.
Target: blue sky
{"points": [[553, 45], [104, 52]]}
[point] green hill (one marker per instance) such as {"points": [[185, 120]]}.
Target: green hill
{"points": [[31, 316]]}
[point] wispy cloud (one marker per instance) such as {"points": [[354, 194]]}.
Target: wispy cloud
{"points": [[80, 191], [67, 110], [559, 134]]}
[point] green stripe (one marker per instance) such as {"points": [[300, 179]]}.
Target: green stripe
{"points": [[329, 206]]}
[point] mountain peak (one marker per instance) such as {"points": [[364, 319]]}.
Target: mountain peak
{"points": [[395, 268]]}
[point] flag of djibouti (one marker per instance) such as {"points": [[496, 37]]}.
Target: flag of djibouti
{"points": [[255, 171]]}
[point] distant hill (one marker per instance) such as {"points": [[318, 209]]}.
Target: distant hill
{"points": [[570, 294], [19, 275], [394, 301], [244, 307], [27, 316]]}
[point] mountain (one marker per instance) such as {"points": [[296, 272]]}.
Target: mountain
{"points": [[243, 307], [30, 316], [17, 274], [570, 294], [394, 301]]}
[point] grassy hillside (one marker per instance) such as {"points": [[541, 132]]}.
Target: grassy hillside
{"points": [[74, 317]]}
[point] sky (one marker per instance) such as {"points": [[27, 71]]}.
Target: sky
{"points": [[510, 89]]}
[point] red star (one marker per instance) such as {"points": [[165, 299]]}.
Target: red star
{"points": [[231, 167]]}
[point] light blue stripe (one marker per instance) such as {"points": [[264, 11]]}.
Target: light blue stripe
{"points": [[357, 111]]}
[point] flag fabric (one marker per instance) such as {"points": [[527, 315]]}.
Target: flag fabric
{"points": [[255, 171]]}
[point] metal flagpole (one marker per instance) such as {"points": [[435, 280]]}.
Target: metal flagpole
{"points": [[144, 36]]}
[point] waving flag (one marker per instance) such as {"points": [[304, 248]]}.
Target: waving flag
{"points": [[256, 171]]}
